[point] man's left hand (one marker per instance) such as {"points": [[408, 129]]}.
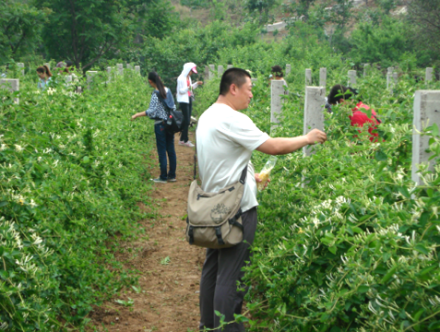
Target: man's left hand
{"points": [[257, 178]]}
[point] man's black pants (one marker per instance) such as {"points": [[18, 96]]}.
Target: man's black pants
{"points": [[221, 271]]}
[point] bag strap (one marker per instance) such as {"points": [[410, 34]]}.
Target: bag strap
{"points": [[195, 152]]}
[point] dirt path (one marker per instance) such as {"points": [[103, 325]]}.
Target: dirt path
{"points": [[170, 269]]}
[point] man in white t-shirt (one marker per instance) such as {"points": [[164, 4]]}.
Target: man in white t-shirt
{"points": [[225, 141]]}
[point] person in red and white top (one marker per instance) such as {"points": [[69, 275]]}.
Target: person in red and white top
{"points": [[340, 94], [185, 96]]}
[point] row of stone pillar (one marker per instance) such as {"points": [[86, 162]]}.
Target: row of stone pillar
{"points": [[392, 76], [14, 84]]}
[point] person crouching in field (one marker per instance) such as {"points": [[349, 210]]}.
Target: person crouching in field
{"points": [[45, 75], [341, 94], [164, 139]]}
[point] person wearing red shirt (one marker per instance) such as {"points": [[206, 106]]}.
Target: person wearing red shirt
{"points": [[339, 94]]}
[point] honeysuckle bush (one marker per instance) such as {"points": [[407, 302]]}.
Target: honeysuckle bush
{"points": [[346, 241], [72, 170]]}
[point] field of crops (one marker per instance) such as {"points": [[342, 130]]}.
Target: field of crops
{"points": [[72, 168], [346, 241]]}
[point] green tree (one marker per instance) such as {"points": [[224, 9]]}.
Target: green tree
{"points": [[260, 9], [424, 16], [20, 28], [84, 31], [386, 43]]}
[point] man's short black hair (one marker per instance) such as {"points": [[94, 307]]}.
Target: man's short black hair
{"points": [[339, 92], [235, 76]]}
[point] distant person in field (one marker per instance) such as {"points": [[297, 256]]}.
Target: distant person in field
{"points": [[277, 74], [164, 139], [185, 97], [341, 94], [45, 75]]}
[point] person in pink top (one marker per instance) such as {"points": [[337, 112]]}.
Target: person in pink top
{"points": [[340, 94]]}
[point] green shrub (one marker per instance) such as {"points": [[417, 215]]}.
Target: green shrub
{"points": [[72, 168]]}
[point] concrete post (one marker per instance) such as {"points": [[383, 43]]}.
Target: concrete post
{"points": [[352, 78], [276, 102], [120, 67], [128, 66], [366, 68], [390, 69], [426, 113], [109, 74], [220, 70], [90, 75], [229, 66], [12, 85], [428, 74], [313, 112], [389, 81], [288, 69], [396, 77], [137, 69], [206, 75], [323, 77], [308, 77], [211, 71], [254, 79], [21, 65]]}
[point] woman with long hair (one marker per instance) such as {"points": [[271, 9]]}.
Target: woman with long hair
{"points": [[161, 98], [45, 75]]}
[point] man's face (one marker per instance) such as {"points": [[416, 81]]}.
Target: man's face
{"points": [[243, 94]]}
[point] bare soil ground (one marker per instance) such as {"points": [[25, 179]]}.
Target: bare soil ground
{"points": [[168, 297]]}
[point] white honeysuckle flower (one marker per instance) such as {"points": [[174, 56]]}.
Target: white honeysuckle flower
{"points": [[3, 147], [51, 91], [18, 148], [32, 203]]}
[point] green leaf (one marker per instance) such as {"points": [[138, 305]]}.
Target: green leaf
{"points": [[333, 249], [428, 269], [418, 314], [404, 192], [435, 326], [421, 248], [363, 289], [389, 274], [381, 156]]}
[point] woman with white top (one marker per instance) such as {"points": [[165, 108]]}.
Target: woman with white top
{"points": [[160, 97], [185, 96]]}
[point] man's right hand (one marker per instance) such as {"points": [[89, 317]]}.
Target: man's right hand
{"points": [[316, 136]]}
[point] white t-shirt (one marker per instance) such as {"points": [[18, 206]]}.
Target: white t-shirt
{"points": [[225, 141]]}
